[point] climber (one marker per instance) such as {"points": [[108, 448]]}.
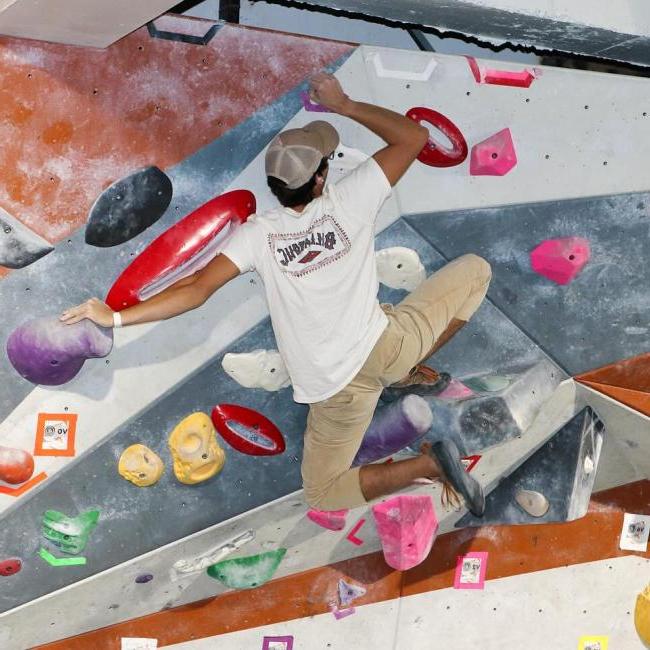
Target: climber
{"points": [[343, 350]]}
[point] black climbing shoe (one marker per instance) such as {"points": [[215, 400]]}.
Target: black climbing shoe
{"points": [[448, 457], [422, 380]]}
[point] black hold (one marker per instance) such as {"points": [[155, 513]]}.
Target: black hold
{"points": [[128, 207]]}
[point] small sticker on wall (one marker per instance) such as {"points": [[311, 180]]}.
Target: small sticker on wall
{"points": [[593, 643], [55, 433], [470, 570], [634, 535], [277, 643]]}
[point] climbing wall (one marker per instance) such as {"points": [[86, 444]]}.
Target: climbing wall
{"points": [[170, 118]]}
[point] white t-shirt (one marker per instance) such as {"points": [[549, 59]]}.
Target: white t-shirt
{"points": [[318, 269]]}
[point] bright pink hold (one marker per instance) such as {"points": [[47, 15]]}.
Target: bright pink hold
{"points": [[407, 526], [560, 260], [455, 391], [495, 156], [330, 519]]}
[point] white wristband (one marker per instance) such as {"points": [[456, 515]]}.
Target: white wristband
{"points": [[117, 319]]}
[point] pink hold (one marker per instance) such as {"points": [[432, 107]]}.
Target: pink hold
{"points": [[495, 156], [560, 260], [407, 526], [455, 391], [330, 519]]}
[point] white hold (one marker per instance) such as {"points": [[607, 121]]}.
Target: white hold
{"points": [[257, 369], [188, 567], [588, 465], [534, 503], [400, 268]]}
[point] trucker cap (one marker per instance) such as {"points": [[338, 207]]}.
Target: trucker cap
{"points": [[294, 155]]}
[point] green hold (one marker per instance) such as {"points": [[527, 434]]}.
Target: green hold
{"points": [[70, 534], [487, 383], [247, 572]]}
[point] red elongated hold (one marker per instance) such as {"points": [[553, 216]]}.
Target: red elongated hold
{"points": [[10, 567], [181, 250], [247, 430], [434, 153], [16, 465]]}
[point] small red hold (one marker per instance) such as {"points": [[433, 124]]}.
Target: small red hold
{"points": [[560, 260], [16, 465], [10, 567], [434, 153], [247, 430], [495, 156]]}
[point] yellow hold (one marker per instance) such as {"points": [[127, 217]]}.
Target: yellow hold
{"points": [[642, 615], [140, 465], [196, 453]]}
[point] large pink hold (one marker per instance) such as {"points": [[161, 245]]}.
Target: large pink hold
{"points": [[495, 156], [407, 527], [560, 260], [330, 519]]}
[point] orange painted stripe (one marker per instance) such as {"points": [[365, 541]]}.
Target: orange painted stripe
{"points": [[514, 550], [632, 373], [21, 489], [633, 398]]}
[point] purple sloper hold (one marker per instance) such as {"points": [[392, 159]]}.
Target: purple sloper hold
{"points": [[394, 427], [49, 352], [312, 107]]}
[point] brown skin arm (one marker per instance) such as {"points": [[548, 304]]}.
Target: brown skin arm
{"points": [[184, 295], [404, 137]]}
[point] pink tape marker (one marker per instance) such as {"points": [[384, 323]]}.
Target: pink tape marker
{"points": [[352, 535], [341, 613], [277, 643], [470, 570]]}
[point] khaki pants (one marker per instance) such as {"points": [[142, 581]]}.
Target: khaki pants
{"points": [[336, 426]]}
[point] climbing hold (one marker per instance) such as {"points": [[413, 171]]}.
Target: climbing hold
{"points": [[399, 267], [190, 566], [330, 519], [349, 592], [520, 79], [49, 352], [140, 465], [560, 260], [247, 572], [487, 383], [195, 451], [247, 430], [128, 207], [10, 567], [495, 156], [16, 465], [70, 534], [407, 526], [19, 246], [257, 369], [312, 107], [532, 502], [394, 427], [181, 250], [434, 153], [61, 561], [455, 391], [642, 615], [144, 578]]}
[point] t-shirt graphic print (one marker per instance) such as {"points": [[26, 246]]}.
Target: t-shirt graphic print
{"points": [[303, 252]]}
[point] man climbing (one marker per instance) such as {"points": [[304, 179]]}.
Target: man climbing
{"points": [[315, 255]]}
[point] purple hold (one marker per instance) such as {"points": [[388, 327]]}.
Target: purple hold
{"points": [[145, 577], [394, 427], [49, 352]]}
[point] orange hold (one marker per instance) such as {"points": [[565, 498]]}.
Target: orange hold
{"points": [[16, 465]]}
